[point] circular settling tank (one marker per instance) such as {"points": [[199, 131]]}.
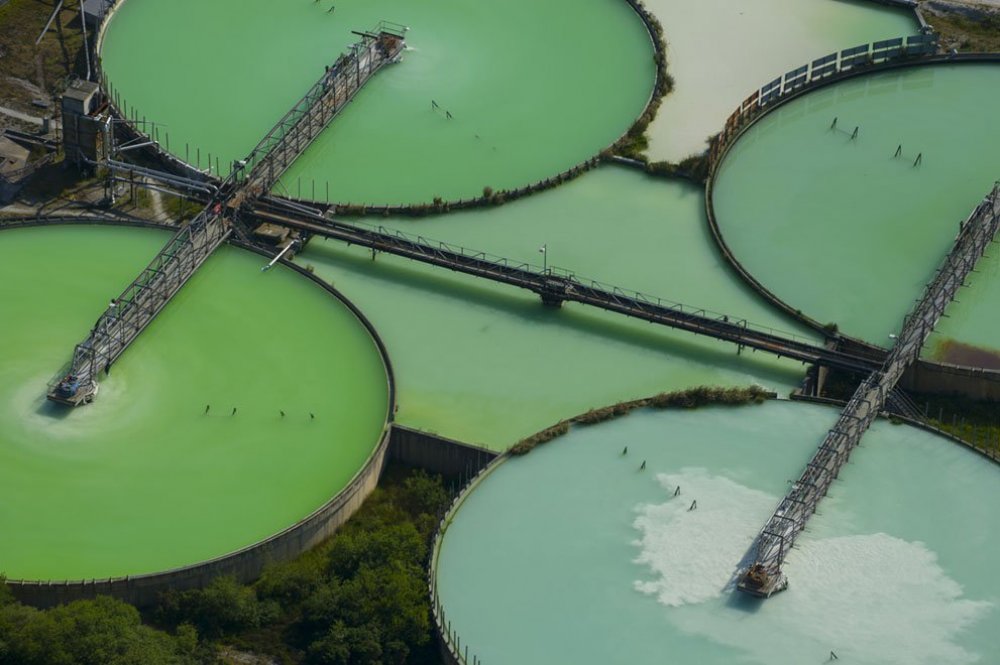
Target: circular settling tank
{"points": [[184, 455], [839, 225], [487, 94], [574, 554]]}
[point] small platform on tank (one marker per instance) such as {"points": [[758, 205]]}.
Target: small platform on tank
{"points": [[762, 581]]}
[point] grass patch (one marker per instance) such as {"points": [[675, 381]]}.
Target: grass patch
{"points": [[970, 29], [48, 65], [179, 208], [974, 421]]}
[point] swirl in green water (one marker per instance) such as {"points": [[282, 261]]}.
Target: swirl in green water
{"points": [[144, 480]]}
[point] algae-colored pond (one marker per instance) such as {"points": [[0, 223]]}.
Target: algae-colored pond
{"points": [[532, 87], [719, 51], [571, 554], [839, 227], [489, 364], [144, 480]]}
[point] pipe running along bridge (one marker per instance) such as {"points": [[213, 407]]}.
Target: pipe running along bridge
{"points": [[128, 314], [762, 576], [556, 286]]}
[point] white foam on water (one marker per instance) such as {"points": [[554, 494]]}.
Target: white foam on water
{"points": [[693, 553], [871, 598]]}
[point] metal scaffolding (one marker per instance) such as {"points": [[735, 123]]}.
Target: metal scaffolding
{"points": [[129, 314], [298, 128], [763, 576], [134, 309]]}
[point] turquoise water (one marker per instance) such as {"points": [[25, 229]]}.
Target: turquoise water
{"points": [[572, 554], [533, 88], [842, 229], [144, 480], [488, 364]]}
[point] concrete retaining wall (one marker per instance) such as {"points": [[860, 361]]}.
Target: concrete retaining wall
{"points": [[453, 652], [437, 454], [942, 379]]}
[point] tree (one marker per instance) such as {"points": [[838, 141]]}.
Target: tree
{"points": [[103, 631]]}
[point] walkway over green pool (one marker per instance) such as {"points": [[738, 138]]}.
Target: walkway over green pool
{"points": [[144, 479], [532, 88]]}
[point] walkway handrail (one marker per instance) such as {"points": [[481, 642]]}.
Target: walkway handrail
{"points": [[818, 72], [134, 309], [556, 285], [274, 153], [428, 243], [763, 576]]}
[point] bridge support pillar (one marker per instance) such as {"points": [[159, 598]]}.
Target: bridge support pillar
{"points": [[551, 300]]}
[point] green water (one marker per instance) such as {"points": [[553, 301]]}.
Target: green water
{"points": [[840, 228], [573, 555], [143, 480], [533, 87], [488, 364]]}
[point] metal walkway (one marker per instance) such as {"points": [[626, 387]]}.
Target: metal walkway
{"points": [[129, 314], [556, 286], [762, 576]]}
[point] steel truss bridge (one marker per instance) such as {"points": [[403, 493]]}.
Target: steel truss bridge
{"points": [[763, 576], [128, 314], [556, 286]]}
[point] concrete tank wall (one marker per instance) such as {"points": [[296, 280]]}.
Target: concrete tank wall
{"points": [[248, 563], [437, 454]]}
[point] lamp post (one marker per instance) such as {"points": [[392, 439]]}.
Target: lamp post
{"points": [[544, 249]]}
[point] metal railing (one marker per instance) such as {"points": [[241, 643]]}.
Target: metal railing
{"points": [[297, 129], [815, 73], [763, 576], [128, 315], [134, 309], [556, 285]]}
